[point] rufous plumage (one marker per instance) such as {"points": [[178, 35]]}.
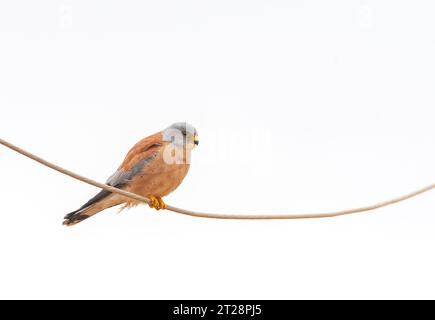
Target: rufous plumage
{"points": [[153, 168]]}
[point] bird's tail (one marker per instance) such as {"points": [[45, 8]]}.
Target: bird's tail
{"points": [[77, 216], [101, 201]]}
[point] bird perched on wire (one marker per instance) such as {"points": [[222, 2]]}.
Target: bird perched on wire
{"points": [[153, 168]]}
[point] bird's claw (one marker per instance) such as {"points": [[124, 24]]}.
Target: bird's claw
{"points": [[157, 203]]}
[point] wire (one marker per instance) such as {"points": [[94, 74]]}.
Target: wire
{"points": [[216, 215]]}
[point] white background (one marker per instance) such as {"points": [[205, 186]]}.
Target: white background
{"points": [[301, 106]]}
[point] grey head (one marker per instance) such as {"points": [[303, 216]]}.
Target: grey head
{"points": [[181, 134]]}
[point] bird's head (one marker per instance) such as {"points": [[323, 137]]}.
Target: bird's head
{"points": [[181, 134]]}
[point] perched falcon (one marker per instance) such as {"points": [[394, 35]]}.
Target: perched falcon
{"points": [[153, 168]]}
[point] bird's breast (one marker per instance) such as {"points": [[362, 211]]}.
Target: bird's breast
{"points": [[159, 178]]}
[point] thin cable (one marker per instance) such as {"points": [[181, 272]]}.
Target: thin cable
{"points": [[215, 215]]}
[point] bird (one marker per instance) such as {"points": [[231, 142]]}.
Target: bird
{"points": [[153, 168]]}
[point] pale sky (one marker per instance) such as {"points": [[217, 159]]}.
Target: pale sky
{"points": [[301, 107]]}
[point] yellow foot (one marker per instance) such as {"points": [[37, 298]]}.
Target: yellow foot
{"points": [[156, 203]]}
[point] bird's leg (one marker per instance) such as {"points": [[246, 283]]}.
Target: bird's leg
{"points": [[156, 203]]}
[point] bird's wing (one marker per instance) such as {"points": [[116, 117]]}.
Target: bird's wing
{"points": [[122, 177], [141, 151]]}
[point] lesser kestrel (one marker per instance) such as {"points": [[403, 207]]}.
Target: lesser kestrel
{"points": [[153, 168]]}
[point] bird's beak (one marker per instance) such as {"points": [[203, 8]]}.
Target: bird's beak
{"points": [[196, 140]]}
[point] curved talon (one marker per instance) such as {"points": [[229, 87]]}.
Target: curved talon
{"points": [[156, 203], [162, 204]]}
